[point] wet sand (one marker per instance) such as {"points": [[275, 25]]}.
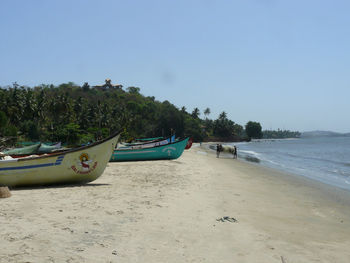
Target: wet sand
{"points": [[170, 211]]}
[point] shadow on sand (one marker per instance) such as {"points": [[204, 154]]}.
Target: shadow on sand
{"points": [[36, 187]]}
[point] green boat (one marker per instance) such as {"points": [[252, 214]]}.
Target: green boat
{"points": [[24, 150], [161, 152], [44, 148]]}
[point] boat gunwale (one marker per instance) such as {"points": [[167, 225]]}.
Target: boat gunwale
{"points": [[151, 147], [143, 143]]}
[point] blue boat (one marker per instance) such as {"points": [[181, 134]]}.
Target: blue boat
{"points": [[160, 152]]}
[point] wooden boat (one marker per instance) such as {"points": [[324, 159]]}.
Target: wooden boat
{"points": [[189, 144], [160, 152], [79, 165], [143, 145], [150, 142]]}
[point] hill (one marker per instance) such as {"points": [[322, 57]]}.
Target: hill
{"points": [[323, 134]]}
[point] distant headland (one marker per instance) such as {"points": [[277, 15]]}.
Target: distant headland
{"points": [[309, 134]]}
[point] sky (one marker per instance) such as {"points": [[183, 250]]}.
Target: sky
{"points": [[285, 64]]}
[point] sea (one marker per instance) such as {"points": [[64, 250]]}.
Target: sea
{"points": [[325, 159]]}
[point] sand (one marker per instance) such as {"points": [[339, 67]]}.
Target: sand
{"points": [[170, 211]]}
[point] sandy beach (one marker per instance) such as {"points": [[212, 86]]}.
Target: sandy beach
{"points": [[170, 211]]}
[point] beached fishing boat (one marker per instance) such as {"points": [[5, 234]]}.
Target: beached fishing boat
{"points": [[189, 144], [160, 152], [79, 165], [149, 139], [150, 142], [143, 145]]}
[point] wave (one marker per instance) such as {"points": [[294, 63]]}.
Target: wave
{"points": [[257, 157], [252, 159], [250, 152], [326, 163]]}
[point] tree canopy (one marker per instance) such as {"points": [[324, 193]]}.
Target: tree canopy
{"points": [[253, 130], [77, 114]]}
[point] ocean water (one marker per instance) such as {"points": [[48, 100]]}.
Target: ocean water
{"points": [[323, 159]]}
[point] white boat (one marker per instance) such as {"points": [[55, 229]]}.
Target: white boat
{"points": [[79, 165]]}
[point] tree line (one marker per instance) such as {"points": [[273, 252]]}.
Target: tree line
{"points": [[77, 114], [280, 134]]}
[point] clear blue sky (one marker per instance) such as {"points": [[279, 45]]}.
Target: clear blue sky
{"points": [[285, 64]]}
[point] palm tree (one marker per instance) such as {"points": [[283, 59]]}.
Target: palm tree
{"points": [[223, 115], [207, 112], [195, 113]]}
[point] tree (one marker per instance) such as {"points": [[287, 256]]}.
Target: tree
{"points": [[74, 114], [30, 128], [253, 130], [223, 127], [195, 113], [223, 115], [133, 90], [3, 121], [71, 132], [86, 86], [193, 128], [207, 112]]}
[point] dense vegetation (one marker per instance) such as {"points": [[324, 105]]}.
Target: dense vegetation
{"points": [[280, 134], [78, 114]]}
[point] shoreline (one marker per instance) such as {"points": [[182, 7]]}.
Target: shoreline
{"points": [[256, 160], [292, 177], [170, 211]]}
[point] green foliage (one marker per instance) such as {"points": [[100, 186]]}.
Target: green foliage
{"points": [[253, 130], [223, 127], [195, 113], [31, 129], [10, 130], [86, 138], [280, 134], [207, 112], [133, 90], [75, 115], [3, 121], [71, 133], [194, 129]]}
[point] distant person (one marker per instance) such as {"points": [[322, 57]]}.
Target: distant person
{"points": [[217, 150], [234, 152]]}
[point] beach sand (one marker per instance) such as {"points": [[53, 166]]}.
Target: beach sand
{"points": [[169, 211]]}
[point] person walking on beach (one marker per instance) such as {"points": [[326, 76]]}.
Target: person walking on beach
{"points": [[218, 150], [234, 152]]}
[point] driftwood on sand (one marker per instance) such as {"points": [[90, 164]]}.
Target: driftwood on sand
{"points": [[4, 192]]}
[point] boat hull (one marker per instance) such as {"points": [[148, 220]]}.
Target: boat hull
{"points": [[162, 152], [80, 165]]}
